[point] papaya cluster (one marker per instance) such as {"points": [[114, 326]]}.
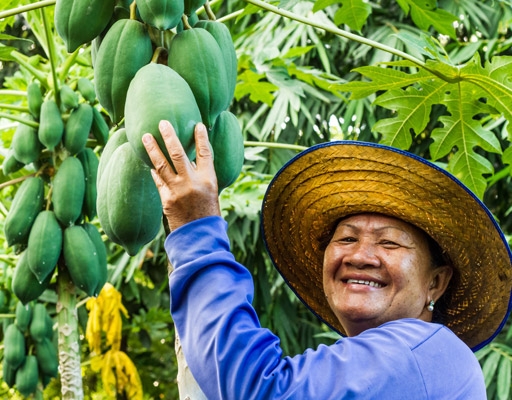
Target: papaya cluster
{"points": [[154, 60], [48, 222], [30, 353]]}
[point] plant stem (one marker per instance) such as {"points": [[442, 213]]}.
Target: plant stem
{"points": [[9, 92], [51, 56], [14, 107], [230, 16], [22, 60], [336, 31], [273, 145], [32, 124], [28, 7], [15, 181], [69, 342]]}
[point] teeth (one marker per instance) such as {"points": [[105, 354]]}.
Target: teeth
{"points": [[361, 282]]}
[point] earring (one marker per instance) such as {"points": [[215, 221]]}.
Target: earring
{"points": [[430, 306]]}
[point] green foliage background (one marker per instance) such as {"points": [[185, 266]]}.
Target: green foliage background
{"points": [[431, 77]]}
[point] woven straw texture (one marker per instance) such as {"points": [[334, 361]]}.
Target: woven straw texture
{"points": [[326, 182]]}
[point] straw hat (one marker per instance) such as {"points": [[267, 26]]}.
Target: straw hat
{"points": [[328, 181]]}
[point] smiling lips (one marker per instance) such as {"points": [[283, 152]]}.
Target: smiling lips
{"points": [[363, 282]]}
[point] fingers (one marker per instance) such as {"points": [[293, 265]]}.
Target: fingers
{"points": [[204, 156]]}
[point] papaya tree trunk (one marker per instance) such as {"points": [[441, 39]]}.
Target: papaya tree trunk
{"points": [[69, 343]]}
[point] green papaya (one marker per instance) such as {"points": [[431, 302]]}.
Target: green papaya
{"points": [[11, 164], [196, 56], [34, 99], [123, 51], [8, 373], [89, 161], [23, 316], [15, 350], [25, 285], [51, 126], [25, 144], [129, 206], [81, 259], [47, 357], [228, 149], [222, 36], [79, 21], [101, 251], [44, 245], [99, 127], [68, 97], [191, 6], [86, 89], [38, 328], [162, 14], [68, 190], [116, 140], [27, 203], [78, 128], [159, 93], [27, 376]]}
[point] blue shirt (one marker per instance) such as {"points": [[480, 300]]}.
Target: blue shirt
{"points": [[232, 357]]}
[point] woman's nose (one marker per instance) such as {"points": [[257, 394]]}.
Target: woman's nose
{"points": [[362, 254]]}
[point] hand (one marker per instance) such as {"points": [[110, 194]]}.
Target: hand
{"points": [[189, 191]]}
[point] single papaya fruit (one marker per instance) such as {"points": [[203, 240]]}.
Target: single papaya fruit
{"points": [[228, 149], [47, 357], [23, 316], [222, 36], [26, 205], [25, 144], [38, 326], [15, 350], [79, 21], [44, 245], [101, 252], [125, 49], [25, 285], [34, 99], [27, 376], [68, 190], [78, 128], [51, 126], [81, 259], [68, 97], [86, 89], [162, 14], [116, 139], [159, 93], [89, 161], [8, 373], [99, 128], [195, 55], [10, 163], [129, 206]]}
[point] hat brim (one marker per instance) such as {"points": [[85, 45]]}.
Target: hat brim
{"points": [[329, 181]]}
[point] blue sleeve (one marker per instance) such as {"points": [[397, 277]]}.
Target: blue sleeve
{"points": [[232, 357]]}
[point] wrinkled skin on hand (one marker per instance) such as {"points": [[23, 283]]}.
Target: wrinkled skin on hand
{"points": [[189, 190]]}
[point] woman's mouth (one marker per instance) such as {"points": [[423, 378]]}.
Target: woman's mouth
{"points": [[364, 282]]}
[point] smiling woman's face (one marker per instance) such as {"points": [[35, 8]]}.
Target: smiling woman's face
{"points": [[378, 269]]}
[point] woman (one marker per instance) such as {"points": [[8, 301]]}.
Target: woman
{"points": [[377, 242]]}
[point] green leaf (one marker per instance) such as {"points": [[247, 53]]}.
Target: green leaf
{"points": [[413, 108], [426, 14], [5, 53], [489, 367], [322, 4], [353, 13], [504, 379], [249, 84], [298, 51]]}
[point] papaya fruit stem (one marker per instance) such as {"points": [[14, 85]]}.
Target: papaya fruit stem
{"points": [[133, 10], [25, 8], [68, 63], [186, 24], [209, 12], [15, 180], [52, 56], [32, 124], [158, 53]]}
